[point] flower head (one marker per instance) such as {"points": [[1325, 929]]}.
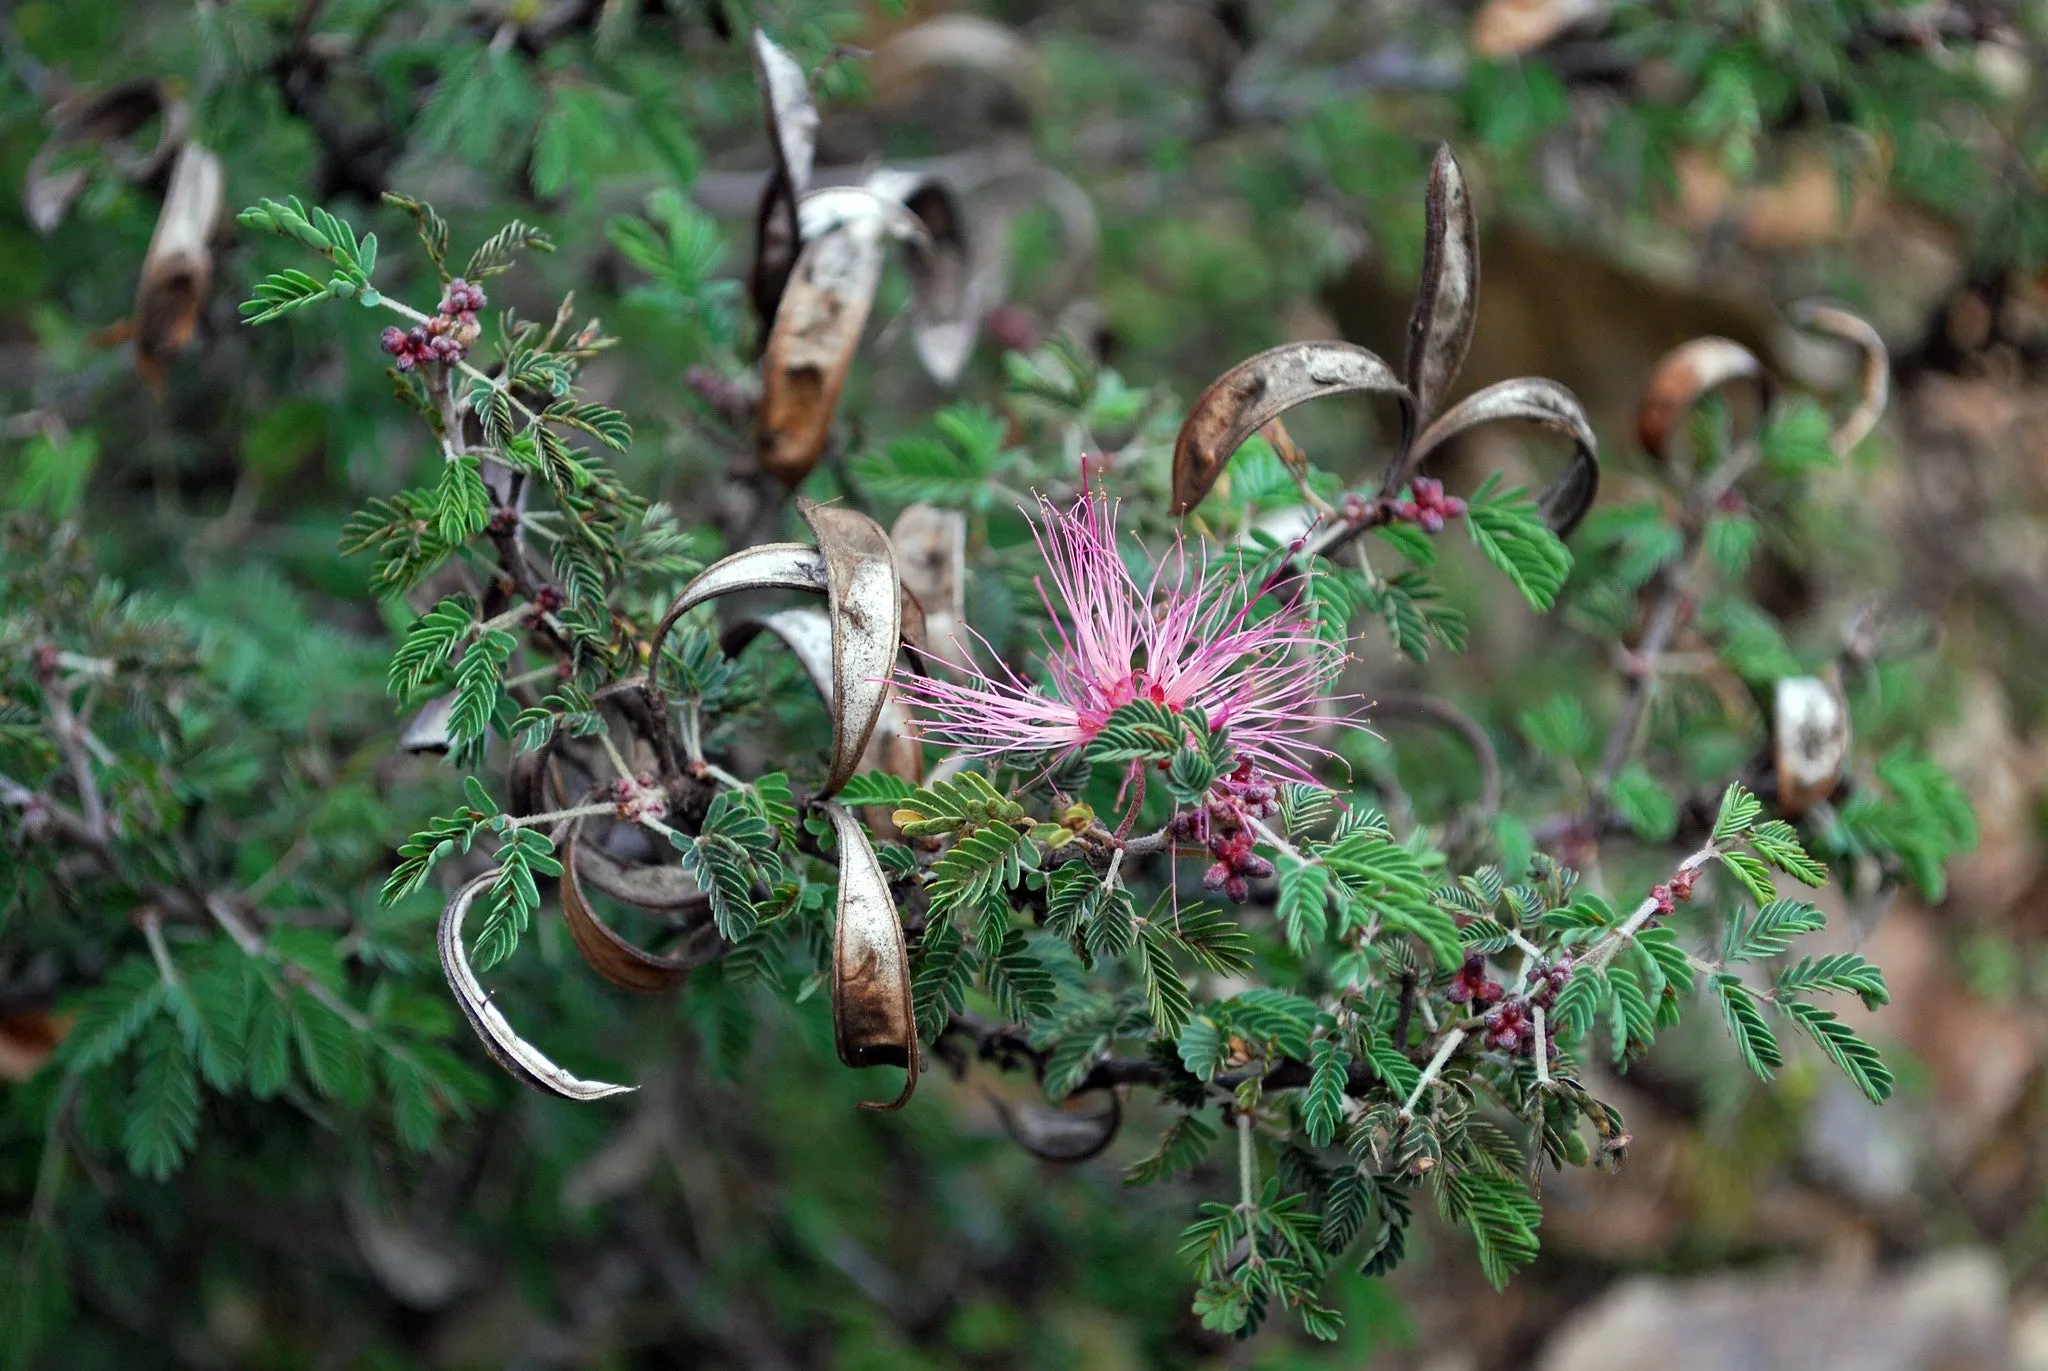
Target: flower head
{"points": [[1187, 639]]}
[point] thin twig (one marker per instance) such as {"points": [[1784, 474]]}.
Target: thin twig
{"points": [[1430, 1072]]}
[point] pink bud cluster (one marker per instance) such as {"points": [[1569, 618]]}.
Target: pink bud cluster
{"points": [[1471, 986], [639, 798], [1669, 897], [445, 338], [1222, 824], [1510, 1020], [1430, 508]]}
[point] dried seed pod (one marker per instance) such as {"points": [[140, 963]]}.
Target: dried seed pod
{"points": [[518, 1056], [178, 268], [786, 106], [856, 567], [1447, 295], [931, 558], [810, 349], [1684, 376], [1810, 726], [807, 633], [1260, 389], [104, 120], [1532, 399], [428, 731], [769, 566], [1875, 389], [865, 601], [792, 135], [1066, 1136], [872, 1019], [1509, 28], [664, 889], [948, 306], [948, 46], [610, 955]]}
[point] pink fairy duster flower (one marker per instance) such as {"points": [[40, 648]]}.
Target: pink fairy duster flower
{"points": [[1186, 639]]}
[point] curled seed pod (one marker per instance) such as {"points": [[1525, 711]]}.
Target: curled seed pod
{"points": [[872, 1020], [663, 889], [865, 600], [855, 566], [811, 347], [178, 269], [518, 1056], [947, 303], [1683, 377], [1052, 1134], [105, 121], [1260, 389], [1447, 295], [793, 136], [610, 955], [1531, 399], [1874, 390]]}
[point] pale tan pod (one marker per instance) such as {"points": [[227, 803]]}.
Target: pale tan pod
{"points": [[1874, 390], [105, 119], [792, 124], [855, 566], [872, 1019], [947, 302], [178, 268], [1530, 399], [1683, 376], [518, 1056], [865, 600], [931, 557], [1810, 728]]}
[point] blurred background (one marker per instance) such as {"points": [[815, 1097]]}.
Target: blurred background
{"points": [[1175, 183]]}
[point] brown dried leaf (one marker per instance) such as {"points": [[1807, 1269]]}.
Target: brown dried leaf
{"points": [[1539, 401], [610, 955], [865, 601], [1447, 296], [518, 1056], [811, 346], [1259, 390], [104, 120], [871, 1010], [1682, 377], [27, 1038], [178, 268], [1856, 425]]}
